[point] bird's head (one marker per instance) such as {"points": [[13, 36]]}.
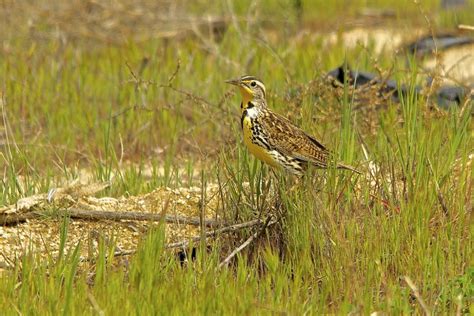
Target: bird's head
{"points": [[251, 88]]}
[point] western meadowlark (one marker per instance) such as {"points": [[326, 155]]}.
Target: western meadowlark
{"points": [[272, 138]]}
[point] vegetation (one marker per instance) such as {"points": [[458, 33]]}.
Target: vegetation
{"points": [[117, 103]]}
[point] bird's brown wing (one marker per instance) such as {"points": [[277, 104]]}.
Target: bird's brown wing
{"points": [[293, 141]]}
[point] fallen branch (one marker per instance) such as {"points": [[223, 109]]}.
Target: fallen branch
{"points": [[111, 215], [13, 219], [139, 216], [28, 207]]}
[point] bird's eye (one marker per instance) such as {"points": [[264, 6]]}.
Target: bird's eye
{"points": [[253, 83]]}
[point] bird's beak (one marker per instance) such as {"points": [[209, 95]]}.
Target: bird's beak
{"points": [[235, 82]]}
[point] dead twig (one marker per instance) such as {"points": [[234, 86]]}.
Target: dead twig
{"points": [[417, 295], [94, 303], [227, 229], [246, 243]]}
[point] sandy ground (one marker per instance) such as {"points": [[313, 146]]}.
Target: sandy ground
{"points": [[42, 236]]}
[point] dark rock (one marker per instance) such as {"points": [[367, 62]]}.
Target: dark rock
{"points": [[445, 97], [360, 79], [448, 4], [449, 96], [426, 45]]}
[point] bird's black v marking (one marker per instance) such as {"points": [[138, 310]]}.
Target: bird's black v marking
{"points": [[244, 114]]}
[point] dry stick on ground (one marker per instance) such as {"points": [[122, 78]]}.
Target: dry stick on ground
{"points": [[466, 27], [417, 295], [112, 215], [187, 242], [227, 229], [246, 243], [13, 219], [139, 216], [94, 303]]}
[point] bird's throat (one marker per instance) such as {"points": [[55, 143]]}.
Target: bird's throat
{"points": [[247, 95]]}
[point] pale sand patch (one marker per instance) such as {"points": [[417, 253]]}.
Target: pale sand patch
{"points": [[456, 64], [42, 236]]}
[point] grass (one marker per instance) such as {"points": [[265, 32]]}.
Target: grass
{"points": [[344, 244]]}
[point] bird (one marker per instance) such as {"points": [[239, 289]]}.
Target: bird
{"points": [[275, 140]]}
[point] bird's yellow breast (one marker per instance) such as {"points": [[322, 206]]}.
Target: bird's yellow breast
{"points": [[258, 151]]}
